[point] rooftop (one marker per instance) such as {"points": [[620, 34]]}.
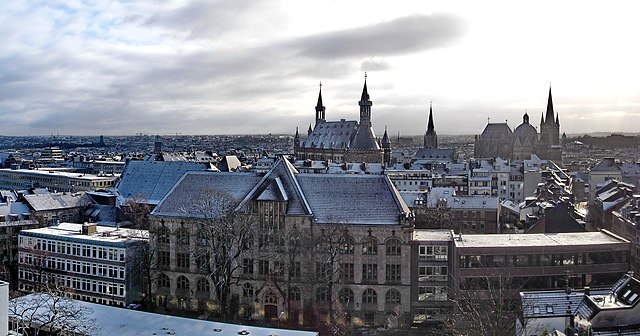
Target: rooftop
{"points": [[431, 235], [539, 239], [103, 233]]}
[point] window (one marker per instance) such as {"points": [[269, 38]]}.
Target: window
{"points": [[182, 260], [278, 268], [433, 252], [346, 296], [263, 267], [182, 237], [369, 296], [370, 272], [322, 294], [370, 246], [183, 283], [346, 271], [432, 293], [394, 247], [247, 266], [323, 270], [247, 290], [163, 281], [202, 262], [432, 273], [294, 270], [393, 273], [347, 245], [163, 235], [392, 297], [164, 258], [295, 294]]}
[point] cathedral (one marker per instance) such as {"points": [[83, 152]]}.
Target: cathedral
{"points": [[497, 139], [343, 140]]}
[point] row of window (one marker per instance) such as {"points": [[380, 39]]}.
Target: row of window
{"points": [[75, 266], [433, 253], [73, 249], [80, 284], [535, 260]]}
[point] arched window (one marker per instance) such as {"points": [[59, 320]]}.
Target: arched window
{"points": [[163, 281], [347, 245], [182, 237], [270, 298], [163, 235], [247, 290], [201, 238], [369, 296], [295, 294], [183, 283], [322, 294], [369, 246], [346, 296], [203, 286], [394, 246], [392, 297]]}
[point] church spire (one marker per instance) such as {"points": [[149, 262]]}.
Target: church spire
{"points": [[320, 110], [430, 127], [430, 137], [550, 115], [365, 106]]}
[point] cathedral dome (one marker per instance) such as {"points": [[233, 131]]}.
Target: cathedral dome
{"points": [[525, 132]]}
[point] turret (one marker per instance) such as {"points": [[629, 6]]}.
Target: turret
{"points": [[320, 109], [365, 106], [386, 147]]}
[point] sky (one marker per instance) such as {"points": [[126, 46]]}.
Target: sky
{"points": [[121, 67]]}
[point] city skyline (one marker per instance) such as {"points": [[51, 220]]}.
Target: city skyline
{"points": [[244, 67]]}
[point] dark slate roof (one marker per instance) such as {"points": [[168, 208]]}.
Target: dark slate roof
{"points": [[365, 139], [606, 165], [153, 179], [332, 134], [281, 180], [51, 201], [352, 199], [190, 193], [435, 154], [496, 131]]}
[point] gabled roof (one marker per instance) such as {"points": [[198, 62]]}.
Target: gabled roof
{"points": [[496, 131], [606, 165], [153, 179], [332, 134], [283, 174], [53, 201], [196, 191], [352, 199], [365, 139]]}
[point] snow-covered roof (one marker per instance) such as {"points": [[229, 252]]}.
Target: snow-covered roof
{"points": [[126, 322], [103, 235], [153, 179], [332, 134], [52, 201], [352, 199]]}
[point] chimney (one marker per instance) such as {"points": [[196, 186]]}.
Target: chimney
{"points": [[89, 228]]}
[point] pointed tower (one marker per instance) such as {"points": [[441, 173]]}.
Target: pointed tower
{"points": [[386, 147], [296, 142], [320, 110], [310, 130], [365, 106], [430, 137]]}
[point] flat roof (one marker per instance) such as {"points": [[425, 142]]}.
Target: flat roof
{"points": [[127, 322], [103, 233], [431, 235], [538, 239], [61, 174]]}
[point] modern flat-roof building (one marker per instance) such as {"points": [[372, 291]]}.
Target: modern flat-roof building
{"points": [[540, 261], [93, 263], [56, 180]]}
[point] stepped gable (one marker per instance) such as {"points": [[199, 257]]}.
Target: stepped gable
{"points": [[195, 189], [352, 199], [280, 184], [153, 179]]}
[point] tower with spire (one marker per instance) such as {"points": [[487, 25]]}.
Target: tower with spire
{"points": [[430, 137], [386, 147], [342, 140], [549, 142]]}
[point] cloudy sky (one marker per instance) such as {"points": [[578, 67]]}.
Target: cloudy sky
{"points": [[86, 67]]}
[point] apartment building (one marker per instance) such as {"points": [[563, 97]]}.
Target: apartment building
{"points": [[91, 263]]}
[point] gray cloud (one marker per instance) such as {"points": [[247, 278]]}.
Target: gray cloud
{"points": [[399, 36]]}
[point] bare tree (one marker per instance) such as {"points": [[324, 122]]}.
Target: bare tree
{"points": [[486, 305], [223, 236], [137, 210], [438, 217], [51, 313]]}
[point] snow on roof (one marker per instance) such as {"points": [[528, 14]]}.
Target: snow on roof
{"points": [[352, 199], [52, 201], [331, 134], [540, 239], [104, 234], [127, 322], [153, 179], [185, 198]]}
